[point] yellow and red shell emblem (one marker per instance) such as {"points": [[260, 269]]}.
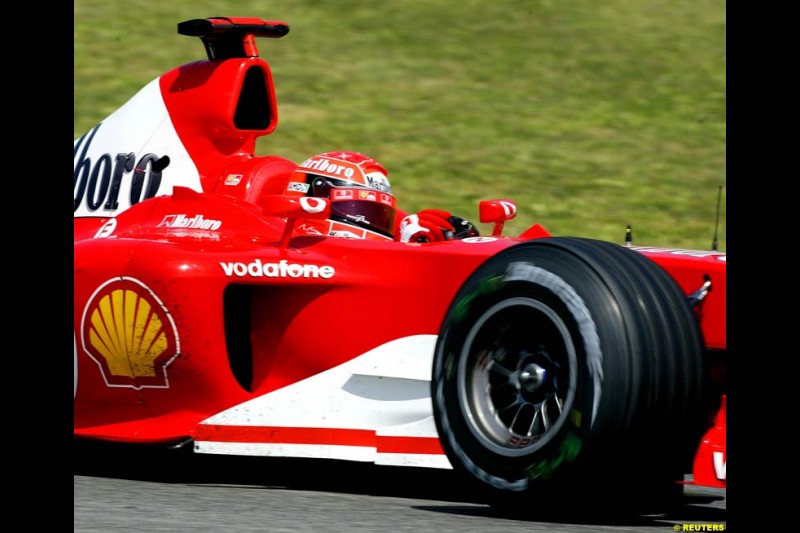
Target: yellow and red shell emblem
{"points": [[128, 331]]}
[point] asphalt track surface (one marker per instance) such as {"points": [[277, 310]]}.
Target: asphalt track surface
{"points": [[117, 489]]}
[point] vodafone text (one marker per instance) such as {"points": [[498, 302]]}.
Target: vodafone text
{"points": [[281, 269]]}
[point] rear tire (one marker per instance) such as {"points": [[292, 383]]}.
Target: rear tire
{"points": [[569, 366]]}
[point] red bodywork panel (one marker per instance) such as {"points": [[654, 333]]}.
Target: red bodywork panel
{"points": [[711, 457], [691, 268]]}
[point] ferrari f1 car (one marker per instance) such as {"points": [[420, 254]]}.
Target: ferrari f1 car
{"points": [[538, 364]]}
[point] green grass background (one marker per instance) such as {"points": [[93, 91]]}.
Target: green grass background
{"points": [[590, 115]]}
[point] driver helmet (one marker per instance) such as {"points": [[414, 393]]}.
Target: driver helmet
{"points": [[357, 186]]}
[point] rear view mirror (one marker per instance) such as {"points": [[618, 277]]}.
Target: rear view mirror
{"points": [[497, 212]]}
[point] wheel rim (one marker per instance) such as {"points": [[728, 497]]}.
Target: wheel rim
{"points": [[516, 376]]}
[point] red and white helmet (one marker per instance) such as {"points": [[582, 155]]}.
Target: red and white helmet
{"points": [[357, 186]]}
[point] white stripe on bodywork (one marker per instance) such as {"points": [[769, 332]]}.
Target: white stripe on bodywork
{"points": [[363, 454], [386, 390], [142, 125]]}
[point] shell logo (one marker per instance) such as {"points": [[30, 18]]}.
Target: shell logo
{"points": [[130, 334]]}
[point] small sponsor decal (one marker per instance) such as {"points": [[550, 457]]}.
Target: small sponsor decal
{"points": [[313, 205], [296, 186], [195, 234], [479, 239], [343, 194], [376, 180], [308, 229], [346, 234], [184, 221], [341, 169], [509, 208], [356, 193], [233, 179], [331, 167], [129, 333], [281, 269]]}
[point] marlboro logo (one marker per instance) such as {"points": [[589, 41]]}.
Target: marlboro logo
{"points": [[184, 221]]}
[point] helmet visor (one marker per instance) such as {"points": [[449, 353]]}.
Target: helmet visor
{"points": [[367, 208]]}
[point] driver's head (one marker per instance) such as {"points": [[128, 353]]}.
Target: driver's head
{"points": [[357, 186]]}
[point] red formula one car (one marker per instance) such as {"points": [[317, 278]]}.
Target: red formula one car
{"points": [[203, 318]]}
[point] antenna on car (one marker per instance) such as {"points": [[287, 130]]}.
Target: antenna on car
{"points": [[628, 235], [716, 223]]}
